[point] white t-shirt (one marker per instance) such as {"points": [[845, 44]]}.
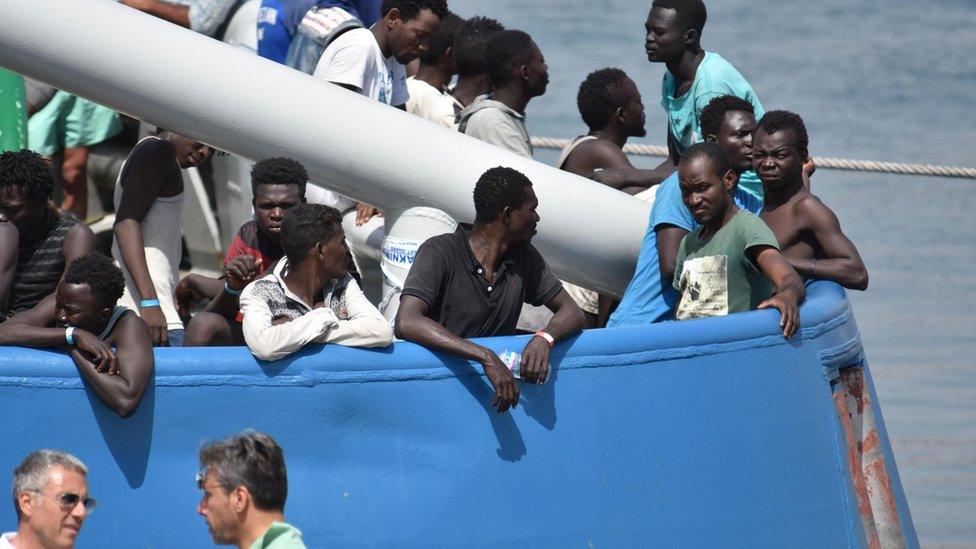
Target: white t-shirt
{"points": [[6, 539], [428, 102], [355, 59]]}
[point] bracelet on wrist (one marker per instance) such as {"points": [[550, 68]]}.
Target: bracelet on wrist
{"points": [[230, 291], [545, 335], [69, 335], [146, 303]]}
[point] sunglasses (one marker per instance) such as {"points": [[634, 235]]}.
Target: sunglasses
{"points": [[69, 501]]}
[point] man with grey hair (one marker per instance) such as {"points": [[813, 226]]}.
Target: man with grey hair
{"points": [[50, 494], [244, 485]]}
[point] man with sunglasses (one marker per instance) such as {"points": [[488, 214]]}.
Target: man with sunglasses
{"points": [[51, 499]]}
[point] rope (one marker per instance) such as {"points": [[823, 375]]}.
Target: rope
{"points": [[821, 161]]}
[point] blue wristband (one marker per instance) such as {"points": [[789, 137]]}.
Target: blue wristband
{"points": [[230, 291], [148, 303], [69, 335]]}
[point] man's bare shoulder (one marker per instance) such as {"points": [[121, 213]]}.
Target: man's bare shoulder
{"points": [[131, 330], [599, 154]]}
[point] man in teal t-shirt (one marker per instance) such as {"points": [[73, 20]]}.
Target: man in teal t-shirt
{"points": [[693, 78], [727, 264]]}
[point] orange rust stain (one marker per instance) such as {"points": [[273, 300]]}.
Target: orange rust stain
{"points": [[871, 441], [853, 458], [879, 473]]}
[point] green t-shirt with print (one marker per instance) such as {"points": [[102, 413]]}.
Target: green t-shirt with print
{"points": [[715, 276]]}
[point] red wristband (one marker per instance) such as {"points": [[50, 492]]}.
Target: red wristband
{"points": [[549, 339]]}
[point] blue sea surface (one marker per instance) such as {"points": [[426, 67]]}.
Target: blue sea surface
{"points": [[890, 80]]}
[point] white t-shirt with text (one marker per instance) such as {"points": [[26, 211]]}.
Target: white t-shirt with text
{"points": [[355, 59]]}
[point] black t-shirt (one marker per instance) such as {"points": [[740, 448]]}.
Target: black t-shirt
{"points": [[446, 275]]}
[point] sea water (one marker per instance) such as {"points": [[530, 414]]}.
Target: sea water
{"points": [[884, 80]]}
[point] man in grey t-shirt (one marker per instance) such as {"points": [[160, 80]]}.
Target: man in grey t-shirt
{"points": [[518, 73]]}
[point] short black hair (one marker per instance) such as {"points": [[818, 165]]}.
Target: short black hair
{"points": [[600, 95], [442, 39], [28, 171], [506, 49], [100, 274], [411, 8], [278, 171], [690, 13], [306, 225], [497, 189], [774, 121], [713, 115], [715, 153], [252, 460], [470, 44]]}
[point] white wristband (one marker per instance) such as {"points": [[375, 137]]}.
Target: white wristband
{"points": [[69, 337]]}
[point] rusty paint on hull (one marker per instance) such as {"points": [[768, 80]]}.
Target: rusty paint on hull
{"points": [[865, 461]]}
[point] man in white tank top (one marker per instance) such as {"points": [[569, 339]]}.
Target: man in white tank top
{"points": [[148, 228]]}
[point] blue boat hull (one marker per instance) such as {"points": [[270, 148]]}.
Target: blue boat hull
{"points": [[699, 433]]}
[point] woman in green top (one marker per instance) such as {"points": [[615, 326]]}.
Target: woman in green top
{"points": [[727, 264]]}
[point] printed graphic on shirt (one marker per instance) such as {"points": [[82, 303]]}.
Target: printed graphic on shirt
{"points": [[704, 287]]}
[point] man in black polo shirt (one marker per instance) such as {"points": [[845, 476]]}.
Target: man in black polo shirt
{"points": [[472, 284]]}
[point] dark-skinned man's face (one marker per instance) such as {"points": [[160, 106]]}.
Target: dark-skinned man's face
{"points": [[775, 157], [270, 204], [76, 306], [16, 209], [735, 136], [634, 110], [706, 194], [664, 36], [536, 72], [409, 39], [522, 221], [333, 255]]}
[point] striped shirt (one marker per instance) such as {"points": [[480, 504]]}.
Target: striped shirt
{"points": [[39, 266]]}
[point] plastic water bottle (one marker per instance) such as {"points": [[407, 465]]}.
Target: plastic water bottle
{"points": [[514, 362]]}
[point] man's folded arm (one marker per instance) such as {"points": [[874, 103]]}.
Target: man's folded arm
{"points": [[365, 327], [270, 342]]}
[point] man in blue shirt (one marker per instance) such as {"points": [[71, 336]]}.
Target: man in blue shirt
{"points": [[730, 122], [693, 78]]}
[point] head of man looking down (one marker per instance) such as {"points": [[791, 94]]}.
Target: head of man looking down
{"points": [[245, 484], [110, 345], [807, 230], [727, 264], [371, 61], [472, 283], [50, 492], [36, 241], [309, 296]]}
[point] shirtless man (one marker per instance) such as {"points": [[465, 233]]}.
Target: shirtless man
{"points": [[110, 345], [807, 230], [612, 109]]}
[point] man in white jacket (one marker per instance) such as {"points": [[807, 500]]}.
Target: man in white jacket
{"points": [[309, 297]]}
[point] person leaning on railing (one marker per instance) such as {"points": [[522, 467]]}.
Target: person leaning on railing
{"points": [[472, 283]]}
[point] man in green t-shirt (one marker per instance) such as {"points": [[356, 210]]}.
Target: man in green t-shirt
{"points": [[727, 264]]}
